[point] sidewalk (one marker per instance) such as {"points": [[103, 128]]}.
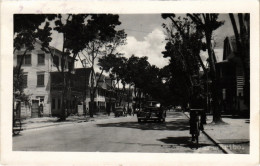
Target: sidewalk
{"points": [[232, 136], [33, 123]]}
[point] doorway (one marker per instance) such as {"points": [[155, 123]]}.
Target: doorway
{"points": [[35, 108]]}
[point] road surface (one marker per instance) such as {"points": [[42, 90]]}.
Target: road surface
{"points": [[123, 134]]}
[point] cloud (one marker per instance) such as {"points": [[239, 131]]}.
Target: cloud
{"points": [[152, 46]]}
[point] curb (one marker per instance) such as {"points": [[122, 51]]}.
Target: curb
{"points": [[223, 148], [31, 128], [79, 121]]}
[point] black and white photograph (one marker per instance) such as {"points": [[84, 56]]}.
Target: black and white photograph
{"points": [[132, 83]]}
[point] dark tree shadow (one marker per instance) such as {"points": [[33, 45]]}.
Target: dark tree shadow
{"points": [[178, 124]]}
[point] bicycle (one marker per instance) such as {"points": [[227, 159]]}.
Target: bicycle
{"points": [[195, 125], [17, 126]]}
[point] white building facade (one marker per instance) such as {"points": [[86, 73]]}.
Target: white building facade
{"points": [[36, 66]]}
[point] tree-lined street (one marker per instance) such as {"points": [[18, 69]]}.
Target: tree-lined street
{"points": [[122, 134], [204, 81]]}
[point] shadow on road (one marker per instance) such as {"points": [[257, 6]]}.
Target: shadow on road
{"points": [[178, 124], [182, 141]]}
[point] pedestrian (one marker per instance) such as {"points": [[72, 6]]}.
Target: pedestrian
{"points": [[41, 110], [124, 110], [132, 111], [87, 111]]}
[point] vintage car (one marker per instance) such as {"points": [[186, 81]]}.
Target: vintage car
{"points": [[119, 111], [152, 110]]}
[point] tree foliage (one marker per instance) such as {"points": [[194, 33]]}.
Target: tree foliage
{"points": [[103, 39], [27, 30], [184, 43], [18, 81]]}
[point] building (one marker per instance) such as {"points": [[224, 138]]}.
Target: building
{"points": [[44, 85], [37, 66], [231, 78]]}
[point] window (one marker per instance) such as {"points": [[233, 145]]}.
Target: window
{"points": [[56, 61], [41, 58], [25, 61], [25, 79], [53, 104], [40, 79]]}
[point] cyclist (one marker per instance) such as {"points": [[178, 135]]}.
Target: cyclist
{"points": [[194, 122]]}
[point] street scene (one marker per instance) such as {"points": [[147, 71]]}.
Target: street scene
{"points": [[147, 83], [128, 136]]}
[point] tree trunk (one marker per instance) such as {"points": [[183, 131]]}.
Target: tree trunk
{"points": [[214, 87], [128, 97], [91, 105], [139, 97], [63, 103], [216, 103]]}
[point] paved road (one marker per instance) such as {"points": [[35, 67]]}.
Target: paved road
{"points": [[122, 134]]}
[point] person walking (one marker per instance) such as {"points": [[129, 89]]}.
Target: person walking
{"points": [[41, 110], [124, 111]]}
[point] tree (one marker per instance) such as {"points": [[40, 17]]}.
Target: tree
{"points": [[207, 23], [115, 65], [137, 72], [243, 51], [19, 83], [104, 41], [183, 48], [26, 31], [73, 30], [18, 80]]}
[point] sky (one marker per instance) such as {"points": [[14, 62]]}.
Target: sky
{"points": [[146, 37]]}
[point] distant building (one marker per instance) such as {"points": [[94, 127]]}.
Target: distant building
{"points": [[106, 95]]}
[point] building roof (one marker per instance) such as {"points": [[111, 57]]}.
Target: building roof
{"points": [[105, 81], [230, 48]]}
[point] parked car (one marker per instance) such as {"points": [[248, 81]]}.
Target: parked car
{"points": [[119, 111], [152, 110]]}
